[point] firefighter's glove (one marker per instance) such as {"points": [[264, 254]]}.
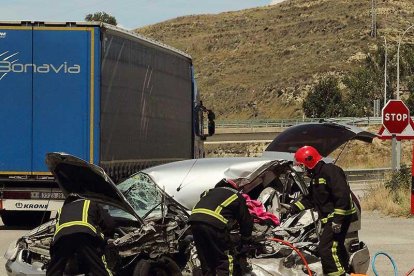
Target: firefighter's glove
{"points": [[110, 243], [336, 227], [285, 208]]}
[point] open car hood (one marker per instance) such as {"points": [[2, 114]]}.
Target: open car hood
{"points": [[184, 181], [325, 137], [75, 175]]}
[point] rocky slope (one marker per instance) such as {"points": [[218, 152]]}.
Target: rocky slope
{"points": [[261, 62]]}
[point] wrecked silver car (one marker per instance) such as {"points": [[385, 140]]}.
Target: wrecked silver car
{"points": [[152, 207]]}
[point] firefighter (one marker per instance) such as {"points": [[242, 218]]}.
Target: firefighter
{"points": [[211, 221], [80, 228], [330, 195]]}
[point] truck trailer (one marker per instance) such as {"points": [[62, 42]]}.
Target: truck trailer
{"points": [[109, 96]]}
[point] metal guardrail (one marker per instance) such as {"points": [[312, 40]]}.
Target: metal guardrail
{"points": [[257, 123], [357, 175]]}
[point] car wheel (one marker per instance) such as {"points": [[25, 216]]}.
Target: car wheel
{"points": [[163, 266], [24, 218]]}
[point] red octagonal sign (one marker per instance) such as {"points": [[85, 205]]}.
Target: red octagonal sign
{"points": [[395, 116]]}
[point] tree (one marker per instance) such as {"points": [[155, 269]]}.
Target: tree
{"points": [[324, 100], [101, 17], [410, 101], [363, 88]]}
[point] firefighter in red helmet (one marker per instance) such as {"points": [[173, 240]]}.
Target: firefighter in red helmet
{"points": [[330, 195], [211, 221]]}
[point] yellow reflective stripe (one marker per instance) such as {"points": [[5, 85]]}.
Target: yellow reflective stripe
{"points": [[300, 205], [325, 220], [322, 181], [75, 223], [336, 259], [230, 257], [83, 222], [85, 210], [57, 222], [216, 213], [345, 212], [211, 213], [226, 203], [335, 273], [106, 266]]}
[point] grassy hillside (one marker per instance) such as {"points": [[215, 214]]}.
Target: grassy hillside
{"points": [[261, 62]]}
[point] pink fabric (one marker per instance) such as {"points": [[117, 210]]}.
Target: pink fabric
{"points": [[258, 211]]}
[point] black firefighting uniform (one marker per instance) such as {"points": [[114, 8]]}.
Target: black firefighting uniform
{"points": [[330, 195], [80, 228], [210, 220]]}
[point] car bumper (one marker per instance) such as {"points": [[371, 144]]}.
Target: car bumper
{"points": [[20, 268]]}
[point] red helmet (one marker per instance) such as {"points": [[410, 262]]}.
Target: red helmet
{"points": [[308, 156], [232, 184]]}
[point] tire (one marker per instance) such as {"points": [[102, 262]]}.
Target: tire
{"points": [[163, 266], [24, 218]]}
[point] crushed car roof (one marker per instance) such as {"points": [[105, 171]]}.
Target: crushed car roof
{"points": [[186, 180], [183, 181]]}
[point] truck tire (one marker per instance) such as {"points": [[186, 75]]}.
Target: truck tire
{"points": [[163, 266], [24, 218]]}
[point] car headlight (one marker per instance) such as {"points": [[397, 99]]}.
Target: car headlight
{"points": [[12, 251]]}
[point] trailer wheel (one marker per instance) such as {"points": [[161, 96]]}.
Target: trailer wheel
{"points": [[163, 266], [24, 218]]}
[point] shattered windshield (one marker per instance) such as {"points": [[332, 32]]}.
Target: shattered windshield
{"points": [[142, 193]]}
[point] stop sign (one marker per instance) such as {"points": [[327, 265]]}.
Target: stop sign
{"points": [[395, 116]]}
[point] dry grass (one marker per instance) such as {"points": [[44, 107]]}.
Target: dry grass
{"points": [[235, 149], [389, 202], [261, 62], [361, 155]]}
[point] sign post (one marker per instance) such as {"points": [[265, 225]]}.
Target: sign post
{"points": [[398, 125], [395, 118], [412, 183]]}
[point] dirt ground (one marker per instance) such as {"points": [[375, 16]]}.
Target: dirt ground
{"points": [[394, 236]]}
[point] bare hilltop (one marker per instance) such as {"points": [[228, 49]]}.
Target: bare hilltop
{"points": [[261, 62]]}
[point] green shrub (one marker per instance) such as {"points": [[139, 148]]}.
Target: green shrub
{"points": [[391, 197], [324, 100], [400, 179]]}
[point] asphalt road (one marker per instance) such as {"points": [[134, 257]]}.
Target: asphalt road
{"points": [[392, 235], [7, 235]]}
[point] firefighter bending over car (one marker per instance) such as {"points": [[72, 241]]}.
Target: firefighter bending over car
{"points": [[330, 195], [211, 221], [80, 228]]}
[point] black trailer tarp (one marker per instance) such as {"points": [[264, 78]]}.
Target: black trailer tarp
{"points": [[146, 102]]}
